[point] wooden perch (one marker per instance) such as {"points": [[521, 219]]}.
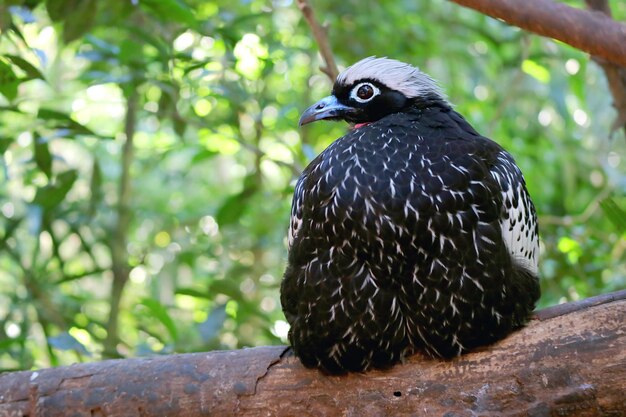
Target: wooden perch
{"points": [[571, 362], [591, 31]]}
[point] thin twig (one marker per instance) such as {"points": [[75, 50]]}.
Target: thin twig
{"points": [[579, 218], [567, 308], [320, 34]]}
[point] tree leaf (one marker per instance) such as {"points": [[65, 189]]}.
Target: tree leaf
{"points": [[57, 9], [14, 109], [8, 81], [172, 10], [163, 48], [231, 210], [5, 18], [63, 120], [31, 71], [5, 143], [235, 206], [52, 195], [192, 292], [43, 157], [226, 287], [131, 54], [202, 155], [210, 328], [160, 312], [10, 226], [615, 213], [95, 186], [66, 341], [79, 20]]}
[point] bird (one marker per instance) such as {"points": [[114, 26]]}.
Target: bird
{"points": [[410, 233]]}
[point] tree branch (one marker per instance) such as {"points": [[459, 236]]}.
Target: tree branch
{"points": [[573, 363], [615, 75], [119, 256], [592, 32], [320, 35]]}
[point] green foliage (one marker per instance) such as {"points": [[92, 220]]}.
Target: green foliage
{"points": [[211, 93]]}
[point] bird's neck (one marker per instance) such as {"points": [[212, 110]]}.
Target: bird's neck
{"points": [[429, 101]]}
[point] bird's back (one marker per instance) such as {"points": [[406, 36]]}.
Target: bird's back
{"points": [[397, 244]]}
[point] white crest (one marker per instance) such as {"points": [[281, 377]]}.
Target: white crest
{"points": [[396, 75]]}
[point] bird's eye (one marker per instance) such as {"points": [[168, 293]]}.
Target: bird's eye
{"points": [[364, 92]]}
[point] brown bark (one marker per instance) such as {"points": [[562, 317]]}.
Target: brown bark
{"points": [[118, 244], [319, 33], [572, 362], [592, 32], [615, 75]]}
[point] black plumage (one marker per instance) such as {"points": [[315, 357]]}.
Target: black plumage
{"points": [[410, 232]]}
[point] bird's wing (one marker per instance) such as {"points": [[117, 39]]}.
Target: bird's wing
{"points": [[295, 222], [518, 219]]}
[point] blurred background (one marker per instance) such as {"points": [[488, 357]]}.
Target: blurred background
{"points": [[149, 148]]}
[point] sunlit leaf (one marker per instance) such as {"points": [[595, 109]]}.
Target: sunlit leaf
{"points": [[535, 70], [202, 155]]}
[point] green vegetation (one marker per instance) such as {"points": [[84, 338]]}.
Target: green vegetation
{"points": [[194, 209]]}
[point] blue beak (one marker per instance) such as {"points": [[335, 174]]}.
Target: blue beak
{"points": [[326, 108]]}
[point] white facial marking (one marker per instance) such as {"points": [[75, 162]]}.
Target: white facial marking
{"points": [[364, 92], [394, 74]]}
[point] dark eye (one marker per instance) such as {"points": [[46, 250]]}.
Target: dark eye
{"points": [[365, 92]]}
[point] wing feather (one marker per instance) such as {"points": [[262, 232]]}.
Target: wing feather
{"points": [[518, 220], [295, 222]]}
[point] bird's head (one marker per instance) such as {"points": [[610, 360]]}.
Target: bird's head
{"points": [[371, 89]]}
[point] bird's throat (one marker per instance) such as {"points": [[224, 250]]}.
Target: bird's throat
{"points": [[359, 125]]}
